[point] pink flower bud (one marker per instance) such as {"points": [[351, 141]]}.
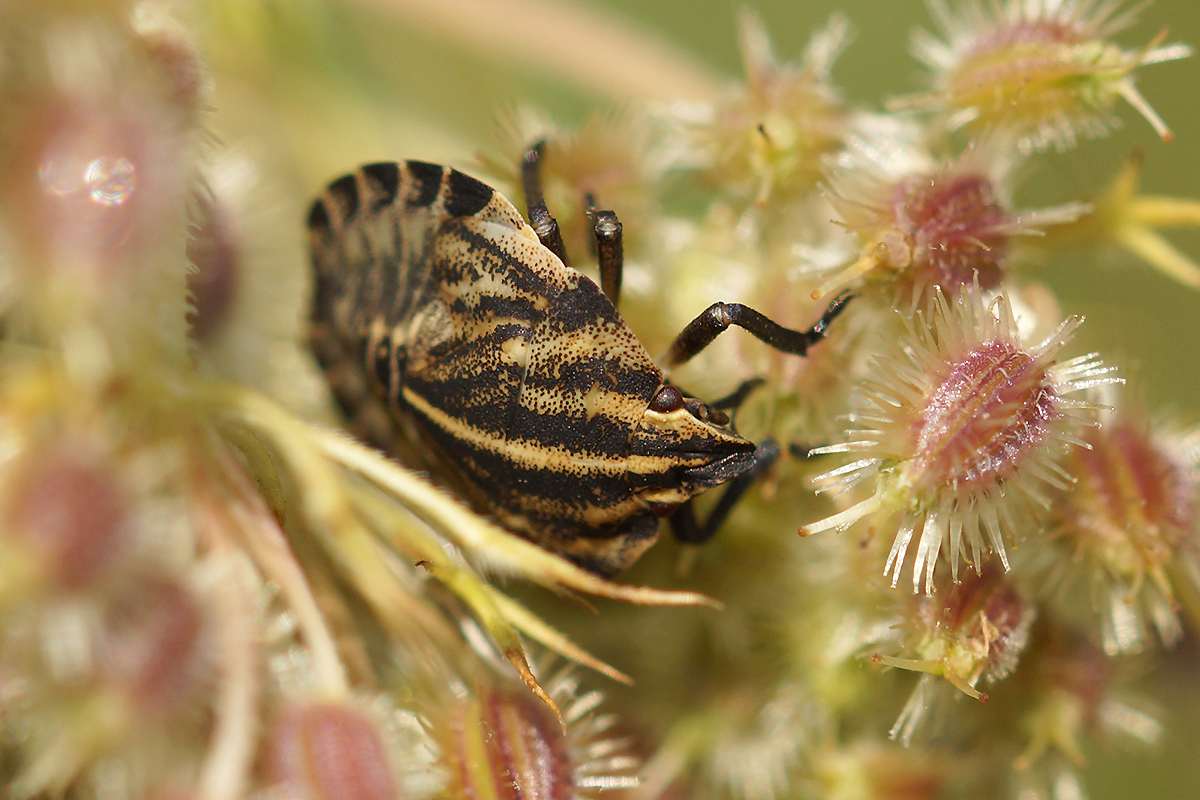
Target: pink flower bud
{"points": [[1045, 72], [928, 225], [503, 742], [66, 507], [323, 751], [213, 251], [961, 433], [1128, 530], [508, 743], [155, 645]]}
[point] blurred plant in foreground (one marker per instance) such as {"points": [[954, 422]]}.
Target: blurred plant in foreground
{"points": [[208, 591]]}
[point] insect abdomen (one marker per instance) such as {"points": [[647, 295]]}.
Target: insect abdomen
{"points": [[369, 234]]}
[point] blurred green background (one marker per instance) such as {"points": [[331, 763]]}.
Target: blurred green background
{"points": [[345, 83], [364, 79]]}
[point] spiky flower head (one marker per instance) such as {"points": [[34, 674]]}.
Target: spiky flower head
{"points": [[498, 740], [747, 745], [319, 750], [1043, 70], [961, 432], [971, 632], [1128, 526], [96, 165], [768, 137], [922, 224]]}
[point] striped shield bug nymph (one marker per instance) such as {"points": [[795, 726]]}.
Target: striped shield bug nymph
{"points": [[455, 336]]}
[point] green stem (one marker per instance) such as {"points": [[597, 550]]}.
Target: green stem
{"points": [[1156, 211], [1151, 246]]}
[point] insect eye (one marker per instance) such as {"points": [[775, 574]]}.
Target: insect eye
{"points": [[666, 400]]}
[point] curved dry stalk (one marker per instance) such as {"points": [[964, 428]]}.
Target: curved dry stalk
{"points": [[325, 507], [473, 592], [431, 555], [329, 506], [265, 541], [231, 752], [532, 626]]}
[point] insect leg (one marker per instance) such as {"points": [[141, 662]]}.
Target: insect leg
{"points": [[717, 409], [700, 332], [733, 401], [688, 529], [543, 222], [610, 249]]}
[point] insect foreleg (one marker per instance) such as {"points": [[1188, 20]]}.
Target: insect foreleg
{"points": [[700, 332], [687, 528], [543, 222]]}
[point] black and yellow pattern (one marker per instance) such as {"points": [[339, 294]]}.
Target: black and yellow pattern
{"points": [[454, 339]]}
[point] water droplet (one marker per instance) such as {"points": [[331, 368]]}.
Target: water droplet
{"points": [[110, 181]]}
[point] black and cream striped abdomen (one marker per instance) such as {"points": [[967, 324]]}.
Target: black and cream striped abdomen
{"points": [[444, 326]]}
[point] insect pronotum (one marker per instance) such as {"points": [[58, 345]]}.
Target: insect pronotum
{"points": [[454, 336]]}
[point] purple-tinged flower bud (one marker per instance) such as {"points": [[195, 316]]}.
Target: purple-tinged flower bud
{"points": [[96, 169], [960, 435], [1128, 529], [508, 743], [968, 633], [504, 743], [86, 183], [166, 45], [323, 751], [65, 509], [156, 645], [921, 224], [1045, 72], [213, 251]]}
